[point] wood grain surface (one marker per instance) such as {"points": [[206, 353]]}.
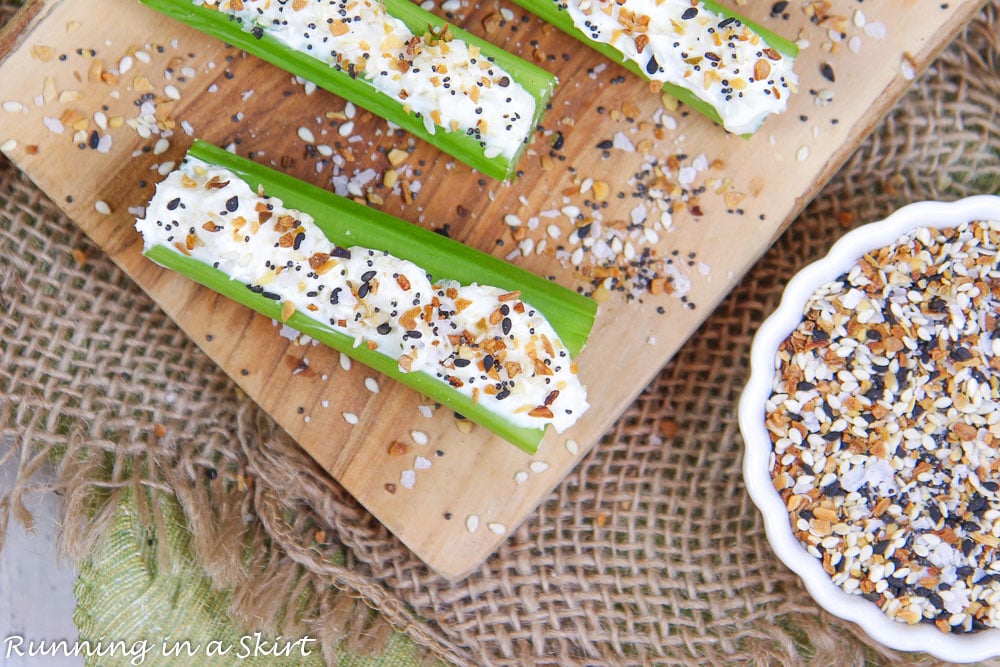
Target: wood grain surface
{"points": [[727, 199]]}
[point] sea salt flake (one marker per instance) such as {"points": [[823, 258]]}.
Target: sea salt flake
{"points": [[622, 142], [422, 463], [876, 29], [407, 479]]}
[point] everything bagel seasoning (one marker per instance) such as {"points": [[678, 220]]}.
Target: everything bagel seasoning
{"points": [[885, 421]]}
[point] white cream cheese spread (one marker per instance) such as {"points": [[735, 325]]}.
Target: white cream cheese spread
{"points": [[717, 58], [445, 80], [483, 341]]}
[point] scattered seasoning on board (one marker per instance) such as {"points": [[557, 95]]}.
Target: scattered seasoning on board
{"points": [[885, 422]]}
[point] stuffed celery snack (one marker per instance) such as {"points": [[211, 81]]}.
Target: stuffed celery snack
{"points": [[481, 336], [733, 71], [466, 96]]}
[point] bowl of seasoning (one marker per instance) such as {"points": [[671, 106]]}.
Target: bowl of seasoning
{"points": [[871, 423]]}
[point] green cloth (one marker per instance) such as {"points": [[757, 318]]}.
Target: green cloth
{"points": [[123, 596]]}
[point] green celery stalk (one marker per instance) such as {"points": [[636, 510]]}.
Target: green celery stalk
{"points": [[539, 83], [550, 12], [347, 223]]}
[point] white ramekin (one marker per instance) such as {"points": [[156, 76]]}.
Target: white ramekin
{"points": [[756, 462]]}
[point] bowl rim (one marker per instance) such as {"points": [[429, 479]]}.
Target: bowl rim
{"points": [[757, 443]]}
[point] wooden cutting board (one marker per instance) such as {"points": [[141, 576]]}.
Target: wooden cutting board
{"points": [[455, 497]]}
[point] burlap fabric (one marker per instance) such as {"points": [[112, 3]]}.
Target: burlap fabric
{"points": [[650, 552]]}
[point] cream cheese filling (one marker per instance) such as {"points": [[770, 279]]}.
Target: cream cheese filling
{"points": [[445, 80], [718, 59], [483, 341]]}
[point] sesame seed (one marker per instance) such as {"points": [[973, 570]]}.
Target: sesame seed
{"points": [[306, 135]]}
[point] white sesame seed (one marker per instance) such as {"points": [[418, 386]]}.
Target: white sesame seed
{"points": [[161, 147], [512, 220], [351, 418], [345, 362], [102, 207], [497, 528], [472, 523], [172, 92], [802, 154], [572, 447], [419, 437], [346, 129], [371, 384], [350, 110], [142, 57], [125, 64], [306, 135], [520, 477], [538, 466], [8, 145]]}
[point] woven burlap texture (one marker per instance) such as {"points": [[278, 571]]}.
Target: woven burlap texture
{"points": [[650, 552]]}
